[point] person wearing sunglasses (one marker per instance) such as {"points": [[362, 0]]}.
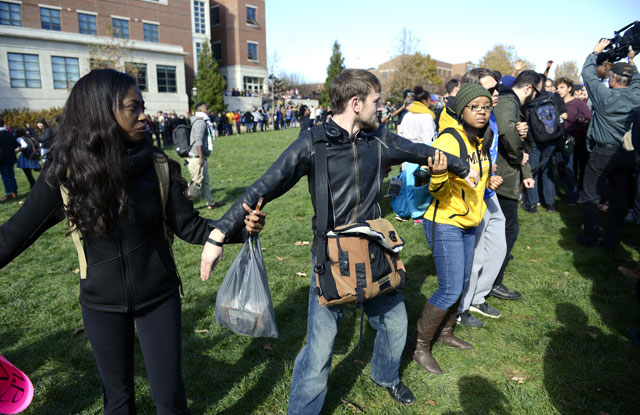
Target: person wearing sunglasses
{"points": [[451, 220]]}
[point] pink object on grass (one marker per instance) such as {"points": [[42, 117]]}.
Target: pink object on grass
{"points": [[16, 390]]}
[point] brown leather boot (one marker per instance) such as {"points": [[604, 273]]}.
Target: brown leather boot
{"points": [[446, 333], [427, 326]]}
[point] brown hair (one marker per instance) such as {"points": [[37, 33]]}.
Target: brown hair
{"points": [[351, 83], [568, 82]]}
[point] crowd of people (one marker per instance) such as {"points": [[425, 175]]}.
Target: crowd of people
{"points": [[488, 152]]}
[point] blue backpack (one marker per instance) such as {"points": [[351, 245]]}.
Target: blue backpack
{"points": [[412, 201]]}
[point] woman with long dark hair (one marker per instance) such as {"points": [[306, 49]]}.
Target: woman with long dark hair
{"points": [[46, 135], [106, 164]]}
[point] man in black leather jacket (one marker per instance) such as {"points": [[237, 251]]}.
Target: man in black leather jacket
{"points": [[358, 155]]}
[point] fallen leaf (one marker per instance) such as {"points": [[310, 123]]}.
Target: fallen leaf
{"points": [[430, 402], [358, 361], [516, 376], [566, 273], [264, 249], [553, 270], [528, 247], [279, 258], [534, 260], [219, 165], [201, 331], [76, 271], [266, 346], [78, 330], [299, 217], [20, 202], [302, 243], [353, 406], [519, 379], [592, 334], [301, 274]]}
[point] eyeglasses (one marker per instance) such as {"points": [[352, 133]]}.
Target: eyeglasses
{"points": [[478, 108], [535, 89]]}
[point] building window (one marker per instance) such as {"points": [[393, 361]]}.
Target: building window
{"points": [[251, 15], [87, 23], [65, 71], [50, 18], [10, 14], [166, 78], [215, 15], [252, 83], [120, 28], [198, 53], [138, 71], [253, 51], [198, 16], [24, 70], [217, 50], [151, 32]]}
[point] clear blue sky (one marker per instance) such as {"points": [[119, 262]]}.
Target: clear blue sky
{"points": [[302, 32]]}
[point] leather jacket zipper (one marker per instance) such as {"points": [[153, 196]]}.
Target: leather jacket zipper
{"points": [[126, 281], [355, 163]]}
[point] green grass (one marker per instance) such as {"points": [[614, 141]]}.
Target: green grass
{"points": [[566, 339]]}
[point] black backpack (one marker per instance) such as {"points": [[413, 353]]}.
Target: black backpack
{"points": [[544, 119], [181, 139]]}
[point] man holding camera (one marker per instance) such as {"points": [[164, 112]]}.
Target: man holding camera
{"points": [[613, 110]]}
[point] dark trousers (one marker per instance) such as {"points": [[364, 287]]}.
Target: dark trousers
{"points": [[112, 339], [580, 158], [607, 164], [29, 174], [512, 227]]}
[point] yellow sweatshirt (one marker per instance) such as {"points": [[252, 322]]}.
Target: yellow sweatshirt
{"points": [[418, 107], [458, 203]]}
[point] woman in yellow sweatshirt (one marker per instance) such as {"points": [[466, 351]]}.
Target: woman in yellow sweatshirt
{"points": [[450, 221]]}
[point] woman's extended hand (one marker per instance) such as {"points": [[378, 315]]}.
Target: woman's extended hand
{"points": [[437, 164], [254, 221]]}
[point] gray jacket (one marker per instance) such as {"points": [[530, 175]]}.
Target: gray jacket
{"points": [[613, 109], [198, 137]]}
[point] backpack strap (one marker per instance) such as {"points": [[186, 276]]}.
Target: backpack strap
{"points": [[322, 195], [75, 236], [463, 147]]}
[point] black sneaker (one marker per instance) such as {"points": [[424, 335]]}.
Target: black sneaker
{"points": [[552, 208], [530, 209], [465, 318], [503, 293], [485, 309], [401, 394]]}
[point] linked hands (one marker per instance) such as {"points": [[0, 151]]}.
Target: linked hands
{"points": [[212, 253]]}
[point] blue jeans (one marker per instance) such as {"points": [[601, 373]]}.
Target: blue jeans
{"points": [[385, 313], [452, 249], [568, 178], [541, 152], [8, 178]]}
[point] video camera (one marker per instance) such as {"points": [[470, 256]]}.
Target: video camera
{"points": [[619, 47]]}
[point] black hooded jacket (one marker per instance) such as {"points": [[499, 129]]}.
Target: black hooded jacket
{"points": [[131, 267]]}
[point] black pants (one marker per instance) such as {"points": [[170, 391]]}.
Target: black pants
{"points": [[511, 228], [112, 339], [29, 174], [610, 164]]}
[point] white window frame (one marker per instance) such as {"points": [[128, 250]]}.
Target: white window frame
{"points": [[256, 9], [257, 51]]}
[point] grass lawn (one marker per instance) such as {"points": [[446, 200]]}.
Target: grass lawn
{"points": [[561, 349]]}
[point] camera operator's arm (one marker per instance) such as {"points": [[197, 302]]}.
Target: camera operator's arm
{"points": [[631, 55], [598, 92], [635, 79]]}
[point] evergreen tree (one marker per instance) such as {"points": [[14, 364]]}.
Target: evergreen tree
{"points": [[336, 65], [210, 82]]}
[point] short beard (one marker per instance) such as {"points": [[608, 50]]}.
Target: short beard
{"points": [[367, 126]]}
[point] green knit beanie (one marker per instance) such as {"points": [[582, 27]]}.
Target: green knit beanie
{"points": [[467, 93]]}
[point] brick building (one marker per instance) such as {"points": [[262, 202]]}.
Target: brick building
{"points": [[46, 45], [386, 71], [239, 43]]}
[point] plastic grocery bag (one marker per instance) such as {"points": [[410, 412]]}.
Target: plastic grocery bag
{"points": [[244, 302]]}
